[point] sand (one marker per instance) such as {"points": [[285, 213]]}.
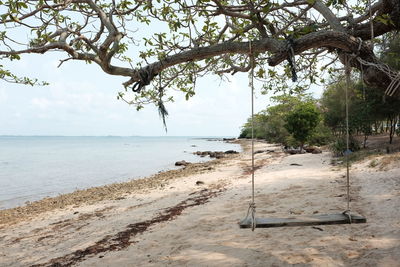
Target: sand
{"points": [[191, 218]]}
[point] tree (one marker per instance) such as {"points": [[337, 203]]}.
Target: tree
{"points": [[367, 105], [333, 107], [269, 123], [302, 121], [260, 122], [362, 114], [391, 108], [183, 40]]}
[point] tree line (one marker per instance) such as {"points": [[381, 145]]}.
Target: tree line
{"points": [[294, 120]]}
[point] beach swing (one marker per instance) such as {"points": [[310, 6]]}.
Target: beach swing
{"points": [[346, 217]]}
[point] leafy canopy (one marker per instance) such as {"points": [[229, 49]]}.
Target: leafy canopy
{"points": [[161, 45], [302, 121]]}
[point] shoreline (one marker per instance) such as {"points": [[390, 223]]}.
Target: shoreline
{"points": [[193, 220], [113, 191], [33, 169]]}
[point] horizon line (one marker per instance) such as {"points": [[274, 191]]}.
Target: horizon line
{"points": [[210, 136]]}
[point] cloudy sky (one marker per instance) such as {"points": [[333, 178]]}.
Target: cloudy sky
{"points": [[81, 100]]}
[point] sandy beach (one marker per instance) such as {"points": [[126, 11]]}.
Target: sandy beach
{"points": [[189, 217]]}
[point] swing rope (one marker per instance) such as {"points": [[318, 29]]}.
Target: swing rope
{"points": [[251, 211], [250, 220], [347, 212], [371, 23]]}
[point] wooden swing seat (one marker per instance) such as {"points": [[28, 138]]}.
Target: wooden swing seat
{"points": [[306, 220]]}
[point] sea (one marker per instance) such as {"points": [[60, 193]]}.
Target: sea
{"points": [[35, 167]]}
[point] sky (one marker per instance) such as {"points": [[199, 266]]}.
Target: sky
{"points": [[81, 100]]}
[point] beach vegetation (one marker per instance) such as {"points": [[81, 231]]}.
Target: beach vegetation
{"points": [[302, 121], [371, 112], [271, 124]]}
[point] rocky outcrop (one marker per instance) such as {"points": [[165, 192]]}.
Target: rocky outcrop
{"points": [[182, 163], [313, 150], [308, 149], [264, 151], [215, 154], [231, 152]]}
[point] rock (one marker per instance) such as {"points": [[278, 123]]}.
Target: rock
{"points": [[264, 151], [309, 149], [199, 182], [317, 151], [313, 150], [228, 139], [182, 163], [231, 152], [295, 164], [292, 151], [193, 146], [214, 154], [259, 151]]}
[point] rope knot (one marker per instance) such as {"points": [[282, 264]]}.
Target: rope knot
{"points": [[291, 57], [252, 212], [348, 215], [146, 76]]}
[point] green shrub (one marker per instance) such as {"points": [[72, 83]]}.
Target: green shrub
{"points": [[322, 135], [302, 121], [373, 163], [339, 146], [291, 142], [245, 133]]}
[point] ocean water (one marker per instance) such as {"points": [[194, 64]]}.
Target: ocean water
{"points": [[32, 168]]}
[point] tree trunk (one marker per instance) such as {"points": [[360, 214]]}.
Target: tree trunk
{"points": [[365, 141], [393, 123], [387, 125], [301, 147]]}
